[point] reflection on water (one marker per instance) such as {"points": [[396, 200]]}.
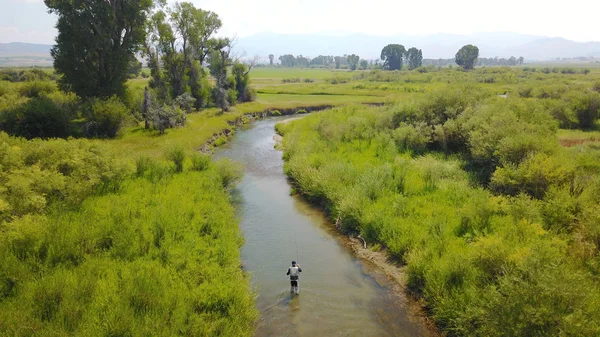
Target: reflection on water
{"points": [[337, 295]]}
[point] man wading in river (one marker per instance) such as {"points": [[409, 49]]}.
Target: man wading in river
{"points": [[294, 272]]}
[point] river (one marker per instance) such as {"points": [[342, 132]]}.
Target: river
{"points": [[339, 294]]}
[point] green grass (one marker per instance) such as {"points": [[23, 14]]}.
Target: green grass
{"points": [[571, 138], [486, 263], [159, 257]]}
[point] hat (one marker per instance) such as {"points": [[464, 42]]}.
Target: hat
{"points": [[293, 262]]}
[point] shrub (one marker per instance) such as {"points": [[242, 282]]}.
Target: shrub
{"points": [[185, 102], [176, 154], [105, 117], [413, 138], [291, 80], [275, 113], [166, 116], [308, 80], [232, 96], [229, 171], [525, 91], [250, 94], [38, 117], [142, 165], [37, 88], [585, 107], [200, 162], [301, 111]]}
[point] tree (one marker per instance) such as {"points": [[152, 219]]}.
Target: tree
{"points": [[95, 42], [220, 61], [392, 55], [271, 57], [467, 56], [520, 60], [241, 77], [178, 42], [414, 57], [353, 61], [287, 60], [364, 64]]}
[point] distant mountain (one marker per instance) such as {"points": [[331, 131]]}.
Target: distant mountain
{"points": [[552, 48], [501, 44], [17, 54], [21, 49]]}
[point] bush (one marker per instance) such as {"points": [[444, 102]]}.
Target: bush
{"points": [[176, 154], [185, 102], [275, 113], [39, 117], [229, 171], [525, 91], [142, 165], [105, 117], [200, 162], [585, 107], [308, 80], [232, 96], [301, 111], [166, 117], [37, 88], [291, 80], [250, 94]]}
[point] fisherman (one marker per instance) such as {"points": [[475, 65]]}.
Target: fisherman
{"points": [[294, 272]]}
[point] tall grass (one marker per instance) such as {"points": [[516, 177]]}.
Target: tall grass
{"points": [[486, 264], [158, 254]]}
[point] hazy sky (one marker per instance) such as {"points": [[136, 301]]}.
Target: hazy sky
{"points": [[28, 20]]}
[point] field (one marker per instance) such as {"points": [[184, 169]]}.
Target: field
{"points": [[484, 184]]}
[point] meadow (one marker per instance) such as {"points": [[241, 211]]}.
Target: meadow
{"points": [[483, 183]]}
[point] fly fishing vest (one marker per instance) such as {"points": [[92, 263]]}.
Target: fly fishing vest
{"points": [[294, 273]]}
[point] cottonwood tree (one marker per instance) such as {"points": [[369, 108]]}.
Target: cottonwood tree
{"points": [[287, 60], [241, 78], [414, 57], [364, 64], [95, 43], [467, 56], [353, 61], [177, 44], [220, 60], [392, 55]]}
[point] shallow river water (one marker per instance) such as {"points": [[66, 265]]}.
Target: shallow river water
{"points": [[339, 294]]}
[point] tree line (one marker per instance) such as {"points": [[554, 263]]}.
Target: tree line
{"points": [[99, 47], [394, 57]]}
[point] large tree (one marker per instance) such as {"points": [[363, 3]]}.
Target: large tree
{"points": [[467, 56], [178, 42], [95, 43], [353, 61], [392, 55], [220, 60], [271, 57], [414, 57]]}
